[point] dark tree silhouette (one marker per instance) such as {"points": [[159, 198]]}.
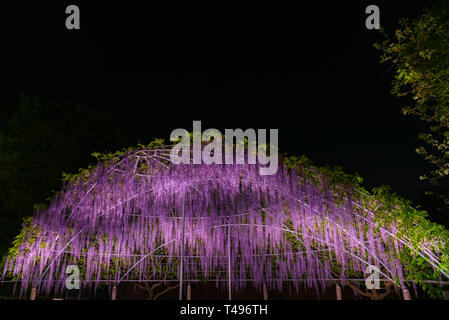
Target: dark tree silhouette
{"points": [[39, 141]]}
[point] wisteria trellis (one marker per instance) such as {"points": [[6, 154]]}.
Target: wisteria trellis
{"points": [[124, 221]]}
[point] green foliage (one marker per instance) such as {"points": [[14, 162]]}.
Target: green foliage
{"points": [[390, 209], [335, 177], [419, 52], [108, 159], [27, 234], [413, 225], [20, 238]]}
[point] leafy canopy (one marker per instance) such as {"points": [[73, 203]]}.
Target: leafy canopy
{"points": [[419, 53]]}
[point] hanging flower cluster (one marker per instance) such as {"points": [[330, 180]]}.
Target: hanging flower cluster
{"points": [[137, 216]]}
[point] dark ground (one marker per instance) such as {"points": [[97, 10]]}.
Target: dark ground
{"points": [[209, 291]]}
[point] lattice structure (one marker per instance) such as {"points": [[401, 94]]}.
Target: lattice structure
{"points": [[139, 217]]}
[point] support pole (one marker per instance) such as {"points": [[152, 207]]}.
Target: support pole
{"points": [[114, 293], [445, 295], [189, 292], [229, 262], [406, 294], [181, 270], [265, 292], [339, 294], [33, 294]]}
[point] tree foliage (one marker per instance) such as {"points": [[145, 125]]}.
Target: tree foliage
{"points": [[419, 53], [38, 141]]}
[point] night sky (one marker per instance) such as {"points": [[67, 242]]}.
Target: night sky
{"points": [[308, 70]]}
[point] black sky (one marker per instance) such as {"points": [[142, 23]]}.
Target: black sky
{"points": [[309, 70]]}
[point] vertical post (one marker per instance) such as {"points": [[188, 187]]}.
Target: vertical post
{"points": [[265, 292], [33, 294], [114, 293], [339, 294], [189, 292], [445, 295], [229, 261], [406, 294], [445, 290], [181, 270]]}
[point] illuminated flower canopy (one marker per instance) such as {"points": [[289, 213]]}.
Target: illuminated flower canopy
{"points": [[123, 220]]}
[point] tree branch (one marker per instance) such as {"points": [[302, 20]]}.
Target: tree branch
{"points": [[165, 291]]}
